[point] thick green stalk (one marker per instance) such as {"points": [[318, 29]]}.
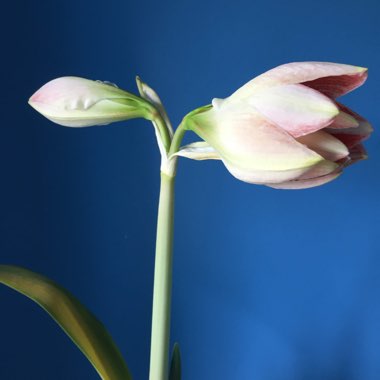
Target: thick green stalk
{"points": [[159, 354]]}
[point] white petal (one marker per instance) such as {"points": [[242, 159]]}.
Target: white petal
{"points": [[198, 151]]}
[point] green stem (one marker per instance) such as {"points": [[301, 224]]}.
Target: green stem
{"points": [[177, 139], [159, 355]]}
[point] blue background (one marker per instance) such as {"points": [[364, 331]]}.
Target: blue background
{"points": [[268, 284]]}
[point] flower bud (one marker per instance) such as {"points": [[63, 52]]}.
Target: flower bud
{"points": [[79, 102], [284, 128]]}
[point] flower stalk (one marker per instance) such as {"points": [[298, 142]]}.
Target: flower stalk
{"points": [[163, 269], [159, 355]]}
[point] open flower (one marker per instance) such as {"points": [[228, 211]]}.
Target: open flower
{"points": [[284, 128], [79, 102]]}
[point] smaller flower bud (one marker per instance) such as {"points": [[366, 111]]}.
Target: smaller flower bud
{"points": [[79, 102]]}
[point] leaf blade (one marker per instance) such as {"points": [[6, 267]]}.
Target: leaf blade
{"points": [[175, 366], [83, 328]]}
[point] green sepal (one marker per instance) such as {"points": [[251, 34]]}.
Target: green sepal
{"points": [[187, 120], [147, 93]]}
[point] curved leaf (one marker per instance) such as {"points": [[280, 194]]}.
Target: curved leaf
{"points": [[77, 322], [175, 366]]}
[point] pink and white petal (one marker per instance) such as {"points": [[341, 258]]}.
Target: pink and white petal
{"points": [[263, 177], [295, 108], [301, 72], [305, 183], [363, 127], [344, 120], [350, 140], [321, 169], [351, 136], [325, 145], [253, 149]]}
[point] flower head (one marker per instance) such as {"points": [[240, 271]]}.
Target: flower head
{"points": [[284, 128]]}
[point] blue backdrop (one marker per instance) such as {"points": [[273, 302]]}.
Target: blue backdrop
{"points": [[268, 284]]}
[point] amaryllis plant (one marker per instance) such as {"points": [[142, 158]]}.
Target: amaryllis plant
{"points": [[283, 129]]}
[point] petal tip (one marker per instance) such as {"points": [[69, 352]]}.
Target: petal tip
{"points": [[33, 102], [217, 103], [334, 110], [361, 69]]}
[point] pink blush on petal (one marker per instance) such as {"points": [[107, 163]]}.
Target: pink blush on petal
{"points": [[335, 86], [297, 109]]}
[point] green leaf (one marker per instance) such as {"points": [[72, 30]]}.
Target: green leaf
{"points": [[77, 322], [175, 366]]}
